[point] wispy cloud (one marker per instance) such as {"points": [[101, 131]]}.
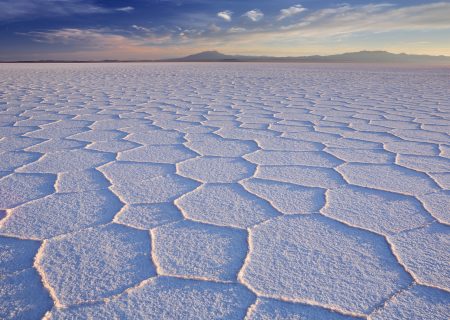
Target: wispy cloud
{"points": [[103, 43], [236, 30], [375, 18], [125, 9], [225, 15], [105, 38], [291, 11], [25, 9], [140, 28], [213, 28], [254, 15], [88, 38]]}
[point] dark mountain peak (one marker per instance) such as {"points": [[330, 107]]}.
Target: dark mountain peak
{"points": [[210, 52], [206, 55]]}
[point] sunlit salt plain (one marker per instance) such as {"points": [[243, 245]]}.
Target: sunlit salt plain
{"points": [[231, 191]]}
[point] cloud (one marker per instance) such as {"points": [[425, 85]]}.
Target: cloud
{"points": [[30, 9], [111, 38], [291, 11], [213, 28], [236, 30], [140, 28], [373, 18], [88, 38], [254, 15], [104, 43], [125, 9], [225, 15]]}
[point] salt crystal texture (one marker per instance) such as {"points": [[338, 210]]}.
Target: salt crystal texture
{"points": [[224, 191]]}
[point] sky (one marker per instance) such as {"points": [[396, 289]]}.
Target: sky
{"points": [[155, 29]]}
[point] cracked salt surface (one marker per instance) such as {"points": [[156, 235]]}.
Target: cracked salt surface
{"points": [[224, 191]]}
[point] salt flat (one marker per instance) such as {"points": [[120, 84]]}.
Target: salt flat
{"points": [[231, 191]]}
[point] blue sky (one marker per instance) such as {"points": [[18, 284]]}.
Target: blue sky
{"points": [[151, 29]]}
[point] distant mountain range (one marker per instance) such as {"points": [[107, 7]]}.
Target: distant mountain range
{"points": [[351, 57]]}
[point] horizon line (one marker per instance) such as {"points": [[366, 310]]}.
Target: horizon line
{"points": [[274, 58]]}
